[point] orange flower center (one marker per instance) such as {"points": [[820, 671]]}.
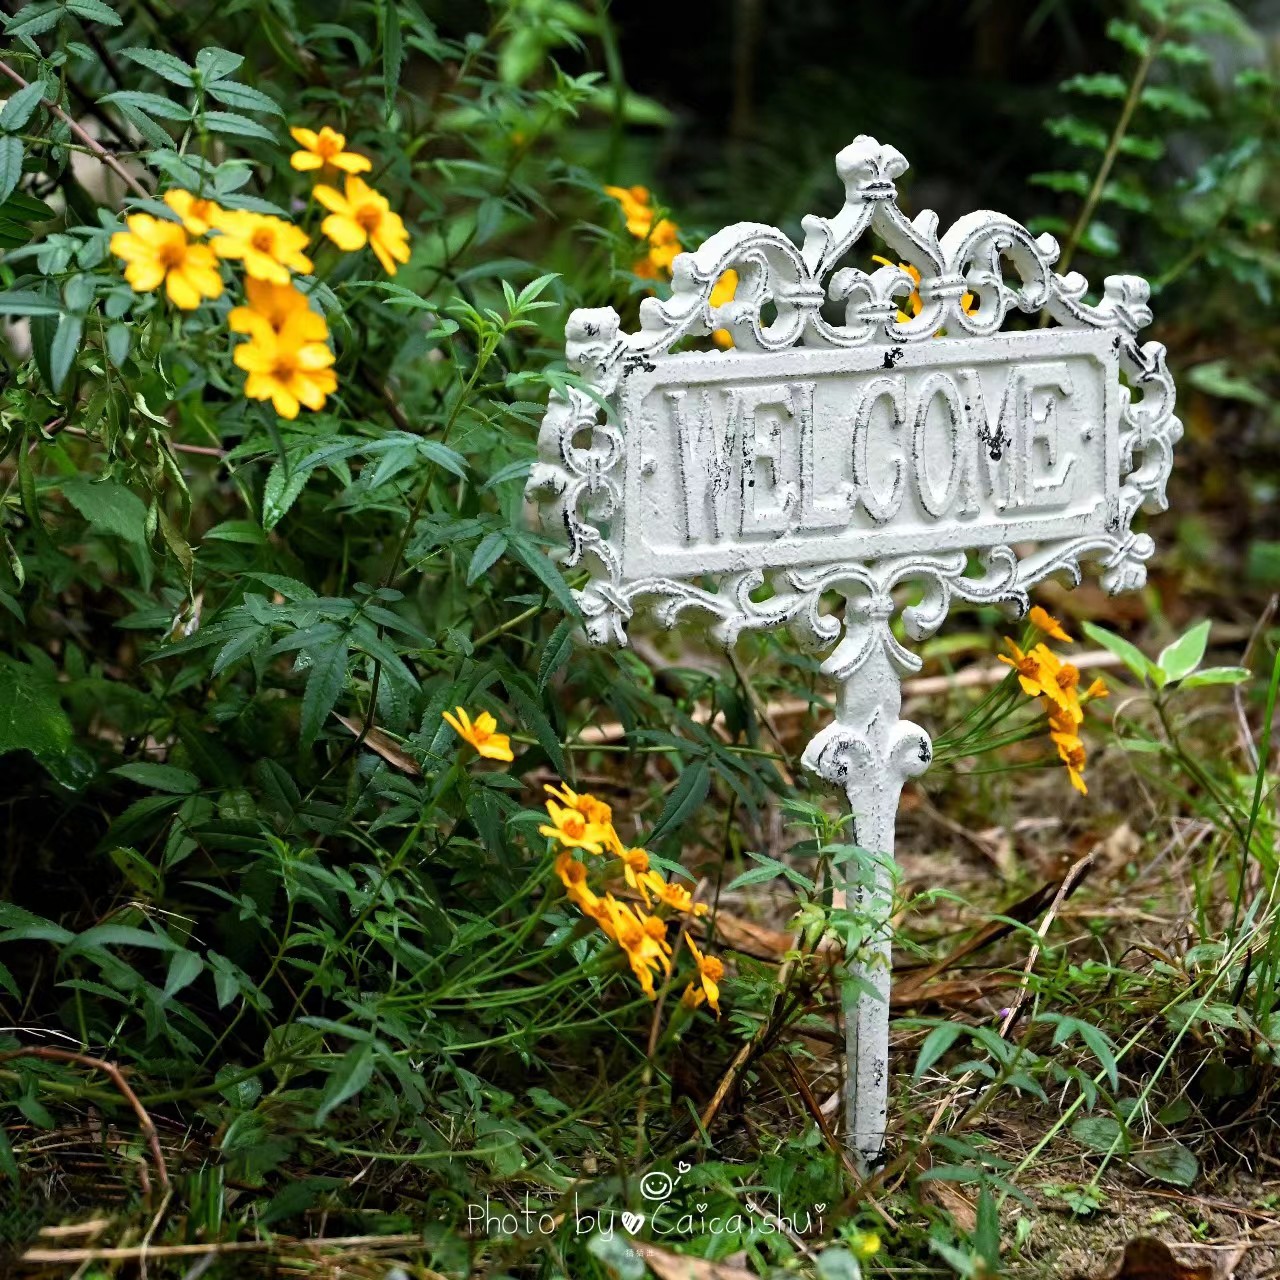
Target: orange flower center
{"points": [[173, 253], [574, 826], [712, 968], [263, 239], [369, 216], [285, 366]]}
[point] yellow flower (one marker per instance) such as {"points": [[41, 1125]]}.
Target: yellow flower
{"points": [[660, 235], [866, 1244], [481, 734], [287, 368], [572, 830], [159, 252], [692, 996], [723, 292], [1098, 689], [573, 875], [1044, 621], [1071, 751], [967, 304], [710, 971], [635, 869], [1027, 665], [361, 217], [198, 214], [677, 897], [643, 938], [270, 247], [271, 306], [326, 147]]}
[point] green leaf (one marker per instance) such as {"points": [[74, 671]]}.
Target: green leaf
{"points": [[325, 684], [488, 551], [214, 64], [1214, 378], [34, 20], [153, 104], [353, 1072], [160, 777], [241, 95], [536, 560], [1185, 654], [1100, 239], [556, 651], [1171, 1162], [119, 336], [1096, 86], [62, 351], [108, 507], [241, 126], [392, 52], [184, 969], [21, 107], [686, 798], [10, 164], [95, 11], [1075, 182], [1101, 1133], [1216, 675], [1173, 101], [1129, 654], [283, 488], [31, 718], [166, 65], [1130, 35], [25, 302], [936, 1043]]}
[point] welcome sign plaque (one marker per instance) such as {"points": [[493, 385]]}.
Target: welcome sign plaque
{"points": [[848, 455]]}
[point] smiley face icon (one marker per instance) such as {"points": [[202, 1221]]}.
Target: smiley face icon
{"points": [[656, 1185]]}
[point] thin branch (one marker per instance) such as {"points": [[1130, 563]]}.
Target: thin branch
{"points": [[98, 150], [117, 1078]]}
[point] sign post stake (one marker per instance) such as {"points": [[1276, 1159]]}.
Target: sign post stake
{"points": [[897, 463]]}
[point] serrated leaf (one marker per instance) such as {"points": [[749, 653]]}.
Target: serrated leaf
{"points": [[241, 126], [488, 551], [10, 164], [108, 507], [686, 798], [392, 51], [556, 651], [234, 94], [152, 104], [283, 488], [213, 63], [1130, 35], [31, 718], [1185, 654], [536, 560], [325, 684], [21, 106], [166, 65], [95, 11]]}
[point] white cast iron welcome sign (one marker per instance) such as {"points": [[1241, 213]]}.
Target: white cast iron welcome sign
{"points": [[851, 458]]}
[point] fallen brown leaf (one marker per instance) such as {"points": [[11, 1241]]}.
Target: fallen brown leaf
{"points": [[953, 1200], [1148, 1259], [386, 747], [677, 1266]]}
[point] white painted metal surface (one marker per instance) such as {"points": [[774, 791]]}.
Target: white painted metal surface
{"points": [[854, 455]]}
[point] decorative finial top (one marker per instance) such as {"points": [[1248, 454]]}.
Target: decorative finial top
{"points": [[868, 168]]}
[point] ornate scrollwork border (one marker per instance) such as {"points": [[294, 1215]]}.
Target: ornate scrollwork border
{"points": [[583, 453]]}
